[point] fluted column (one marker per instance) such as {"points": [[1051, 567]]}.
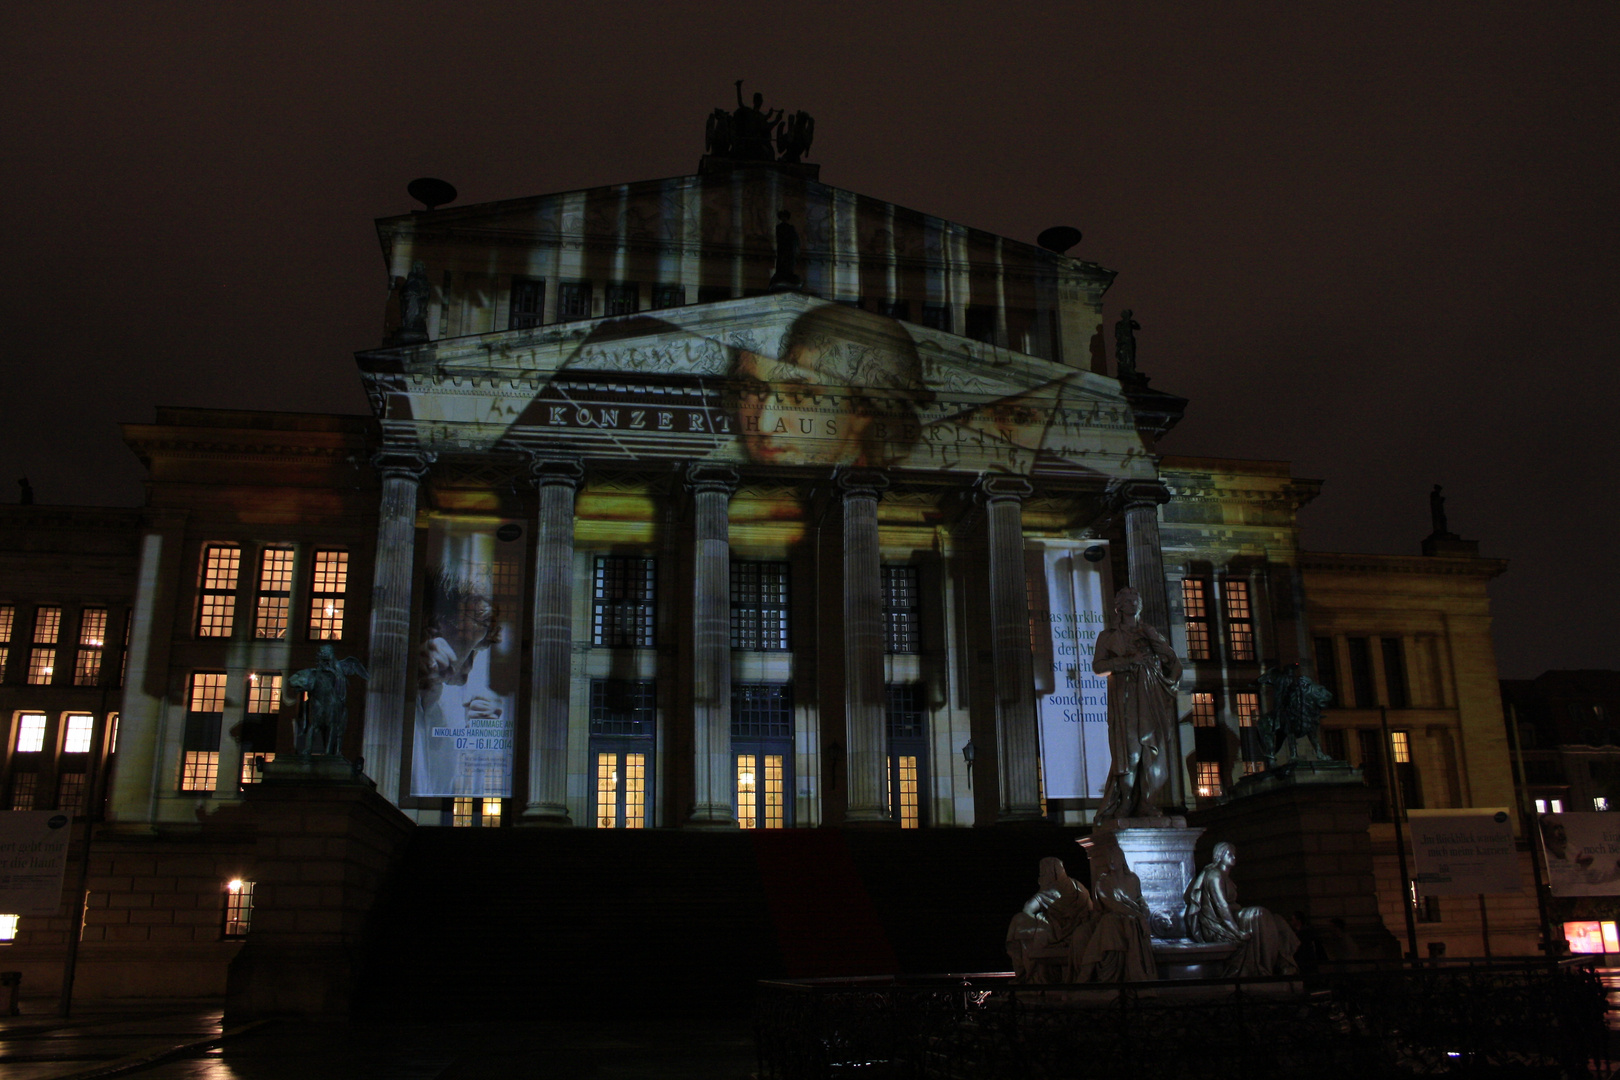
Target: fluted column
{"points": [[390, 653], [864, 729], [711, 487], [1003, 497], [557, 481], [1139, 501]]}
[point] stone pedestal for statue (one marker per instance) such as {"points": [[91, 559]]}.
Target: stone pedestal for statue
{"points": [[1160, 851]]}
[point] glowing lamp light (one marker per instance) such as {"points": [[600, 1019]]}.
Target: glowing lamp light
{"points": [[746, 779], [234, 885]]}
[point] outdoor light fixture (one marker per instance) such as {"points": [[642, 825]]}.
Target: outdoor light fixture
{"points": [[234, 885], [969, 752]]}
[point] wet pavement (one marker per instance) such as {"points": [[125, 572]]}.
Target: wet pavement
{"points": [[187, 1041]]}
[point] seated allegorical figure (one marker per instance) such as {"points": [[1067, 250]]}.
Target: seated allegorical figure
{"points": [[1119, 947], [1266, 942], [1040, 939]]}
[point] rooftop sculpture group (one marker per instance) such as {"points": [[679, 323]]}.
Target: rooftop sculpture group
{"points": [[747, 134]]}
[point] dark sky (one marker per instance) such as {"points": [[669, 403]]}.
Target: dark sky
{"points": [[1378, 240]]}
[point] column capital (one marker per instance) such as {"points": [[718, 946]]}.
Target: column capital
{"points": [[857, 483], [402, 462], [705, 477], [547, 470], [996, 487], [1137, 494]]}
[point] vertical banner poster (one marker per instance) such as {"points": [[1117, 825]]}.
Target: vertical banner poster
{"points": [[1463, 852], [33, 856], [1582, 853], [1068, 591], [468, 665]]}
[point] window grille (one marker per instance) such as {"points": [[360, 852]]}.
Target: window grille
{"points": [[905, 791], [759, 606], [1239, 619], [900, 614], [30, 732], [253, 766], [621, 790], [76, 740], [623, 707], [761, 711], [42, 659], [216, 607], [70, 791], [264, 692], [275, 594], [1203, 709], [1195, 608], [475, 812], [238, 908], [760, 794], [574, 300], [1247, 707], [8, 622], [330, 583], [622, 611], [1209, 779], [904, 713], [528, 304], [8, 928], [92, 640], [623, 298], [199, 766], [24, 790]]}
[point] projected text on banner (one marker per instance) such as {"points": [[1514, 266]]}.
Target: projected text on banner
{"points": [[467, 660], [1068, 598]]}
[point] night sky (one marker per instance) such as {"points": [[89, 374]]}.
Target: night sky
{"points": [[1377, 240]]}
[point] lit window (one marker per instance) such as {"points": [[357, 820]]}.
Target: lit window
{"points": [[905, 800], [30, 732], [70, 788], [1203, 709], [200, 762], [900, 614], [1252, 767], [24, 788], [264, 692], [528, 304], [207, 692], [77, 739], [216, 609], [1549, 806], [759, 606], [1209, 779], [1195, 605], [238, 908], [759, 791], [1239, 619], [1592, 938], [1600, 803], [621, 790], [92, 640], [42, 660], [470, 813], [1247, 707], [8, 929], [8, 621], [746, 793], [253, 766], [331, 581], [199, 770], [622, 607], [622, 298], [1401, 744], [112, 733], [275, 593]]}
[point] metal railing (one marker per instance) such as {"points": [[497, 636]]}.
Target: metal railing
{"points": [[1508, 1018]]}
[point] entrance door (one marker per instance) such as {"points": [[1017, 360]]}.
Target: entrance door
{"points": [[621, 788]]}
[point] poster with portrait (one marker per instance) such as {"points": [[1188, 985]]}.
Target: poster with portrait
{"points": [[1462, 852], [33, 858], [1582, 853], [1068, 589], [467, 659]]}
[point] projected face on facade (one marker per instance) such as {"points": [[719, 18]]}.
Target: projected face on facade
{"points": [[842, 393]]}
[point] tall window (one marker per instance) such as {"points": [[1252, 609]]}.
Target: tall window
{"points": [[1395, 674], [574, 300], [76, 740], [24, 790], [759, 606], [528, 306], [199, 764], [1239, 619], [622, 608], [623, 298], [1203, 709], [762, 748], [900, 615], [621, 790], [1195, 604], [668, 296], [70, 791], [259, 733], [1246, 705], [8, 621], [906, 724], [1327, 668], [623, 720], [92, 640], [1209, 779], [275, 593], [216, 607], [8, 927], [937, 317], [30, 732], [238, 908], [330, 582], [1361, 673], [760, 800], [42, 659]]}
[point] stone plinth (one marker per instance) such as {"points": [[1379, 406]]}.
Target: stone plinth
{"points": [[1302, 845], [1160, 851], [325, 843]]}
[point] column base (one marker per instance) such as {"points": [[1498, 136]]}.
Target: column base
{"points": [[542, 815]]}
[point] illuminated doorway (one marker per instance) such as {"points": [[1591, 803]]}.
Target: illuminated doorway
{"points": [[762, 755], [906, 722], [623, 723]]}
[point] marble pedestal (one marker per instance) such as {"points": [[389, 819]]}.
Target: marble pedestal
{"points": [[1160, 852]]}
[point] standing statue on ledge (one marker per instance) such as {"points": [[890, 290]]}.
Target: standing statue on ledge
{"points": [[1437, 512], [325, 705], [787, 253], [1296, 713], [751, 129], [1212, 915], [414, 295], [1125, 346], [1143, 672]]}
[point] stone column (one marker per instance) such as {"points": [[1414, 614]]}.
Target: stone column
{"points": [[864, 728], [713, 779], [1020, 748], [390, 650], [557, 481], [1139, 501]]}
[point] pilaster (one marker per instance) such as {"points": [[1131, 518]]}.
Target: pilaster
{"points": [[557, 481], [711, 487], [1002, 498]]}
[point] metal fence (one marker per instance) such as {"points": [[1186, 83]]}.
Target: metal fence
{"points": [[1532, 1018]]}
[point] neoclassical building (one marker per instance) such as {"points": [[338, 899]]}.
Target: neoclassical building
{"points": [[633, 538]]}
